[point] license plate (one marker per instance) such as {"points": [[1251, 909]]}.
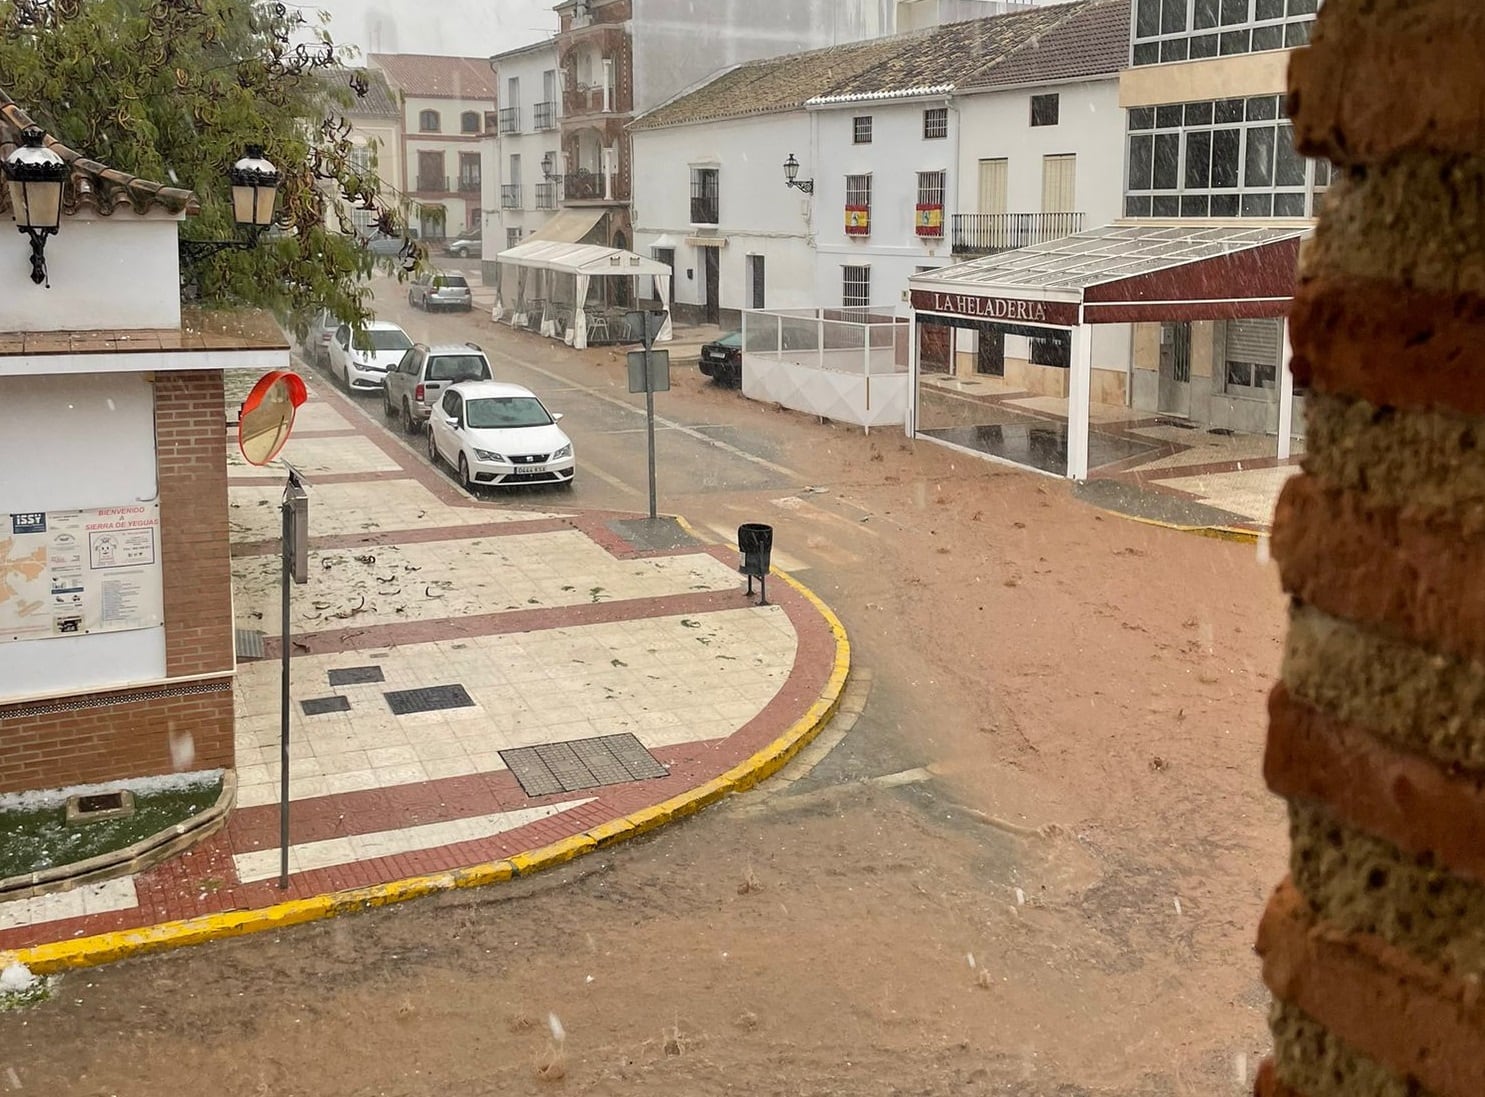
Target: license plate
{"points": [[531, 468]]}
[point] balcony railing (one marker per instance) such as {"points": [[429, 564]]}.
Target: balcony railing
{"points": [[987, 233], [433, 184], [510, 119], [510, 196], [704, 211], [546, 195], [587, 186], [469, 183], [544, 116]]}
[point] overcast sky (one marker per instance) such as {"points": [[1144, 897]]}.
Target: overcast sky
{"points": [[466, 28]]}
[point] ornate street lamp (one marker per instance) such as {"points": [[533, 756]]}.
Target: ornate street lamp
{"points": [[791, 171], [35, 174], [254, 189]]}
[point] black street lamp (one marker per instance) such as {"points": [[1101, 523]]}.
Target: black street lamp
{"points": [[254, 189], [791, 171], [34, 175]]}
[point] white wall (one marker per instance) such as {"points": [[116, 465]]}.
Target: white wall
{"points": [[121, 271], [529, 144], [1090, 125], [109, 460], [897, 152], [758, 213], [675, 46], [450, 142]]}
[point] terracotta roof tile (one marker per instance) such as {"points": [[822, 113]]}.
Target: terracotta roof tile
{"points": [[380, 101], [1095, 42], [426, 76], [91, 184], [938, 60]]}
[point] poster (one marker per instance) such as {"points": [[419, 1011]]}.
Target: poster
{"points": [[71, 572]]}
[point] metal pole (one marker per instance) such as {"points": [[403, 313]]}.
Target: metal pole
{"points": [[650, 428], [285, 643]]}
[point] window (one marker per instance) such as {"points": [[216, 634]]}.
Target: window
{"points": [[428, 121], [1053, 349], [929, 215], [1252, 358], [1219, 158], [1045, 109], [705, 196], [861, 129], [1059, 183], [360, 160], [855, 287], [469, 122], [430, 172], [935, 123], [469, 171], [512, 237], [1182, 30], [858, 205]]}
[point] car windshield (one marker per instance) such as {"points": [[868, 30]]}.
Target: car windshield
{"points": [[502, 412], [458, 367], [383, 339], [731, 339], [450, 281]]}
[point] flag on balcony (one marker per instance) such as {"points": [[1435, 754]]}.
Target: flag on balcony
{"points": [[858, 220], [929, 220]]}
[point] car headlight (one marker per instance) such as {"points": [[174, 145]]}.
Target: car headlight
{"points": [[486, 455], [565, 451]]}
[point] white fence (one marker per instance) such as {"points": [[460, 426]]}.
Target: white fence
{"points": [[850, 365]]}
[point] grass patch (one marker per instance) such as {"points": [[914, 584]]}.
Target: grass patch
{"points": [[35, 838]]}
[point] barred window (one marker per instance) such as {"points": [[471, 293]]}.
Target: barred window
{"points": [[935, 123], [858, 190], [861, 129], [856, 287], [931, 188]]}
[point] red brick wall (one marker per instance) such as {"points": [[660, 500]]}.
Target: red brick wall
{"points": [[194, 534], [114, 735]]}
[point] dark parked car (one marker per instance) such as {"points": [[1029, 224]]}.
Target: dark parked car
{"points": [[722, 360]]}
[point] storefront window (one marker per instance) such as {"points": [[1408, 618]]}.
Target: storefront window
{"points": [[1192, 30]]}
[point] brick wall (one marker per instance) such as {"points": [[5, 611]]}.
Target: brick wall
{"points": [[194, 534], [1374, 946], [114, 735]]}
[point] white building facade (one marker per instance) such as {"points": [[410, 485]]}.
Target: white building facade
{"points": [[519, 196]]}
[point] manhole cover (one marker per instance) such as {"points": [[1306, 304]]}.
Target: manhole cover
{"points": [[356, 676], [249, 642], [319, 706], [404, 702], [582, 763]]}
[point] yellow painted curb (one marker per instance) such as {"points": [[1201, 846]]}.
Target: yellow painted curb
{"points": [[106, 948], [1218, 533]]}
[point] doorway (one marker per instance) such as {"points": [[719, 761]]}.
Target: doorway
{"points": [[712, 261], [934, 343], [990, 353], [1175, 370], [755, 280], [667, 256]]}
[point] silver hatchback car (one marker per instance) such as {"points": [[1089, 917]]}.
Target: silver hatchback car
{"points": [[437, 290]]}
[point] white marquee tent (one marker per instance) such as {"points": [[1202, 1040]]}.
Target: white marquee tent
{"points": [[545, 269]]}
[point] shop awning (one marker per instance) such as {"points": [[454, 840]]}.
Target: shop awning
{"points": [[568, 225], [593, 260], [1123, 274]]}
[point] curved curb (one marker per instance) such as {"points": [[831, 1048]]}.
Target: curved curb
{"points": [[1217, 533], [106, 948]]}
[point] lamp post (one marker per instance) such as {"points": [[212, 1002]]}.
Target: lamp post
{"points": [[791, 172], [254, 189], [34, 175]]}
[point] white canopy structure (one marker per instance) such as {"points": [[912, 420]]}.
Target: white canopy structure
{"points": [[552, 262]]}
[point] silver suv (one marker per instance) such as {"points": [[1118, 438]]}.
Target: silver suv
{"points": [[437, 290], [417, 382]]}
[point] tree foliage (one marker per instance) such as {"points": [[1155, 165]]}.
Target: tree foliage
{"points": [[174, 90]]}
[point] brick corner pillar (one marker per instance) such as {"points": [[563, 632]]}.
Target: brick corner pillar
{"points": [[1374, 946]]}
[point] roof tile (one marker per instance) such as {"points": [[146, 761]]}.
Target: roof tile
{"points": [[427, 76]]}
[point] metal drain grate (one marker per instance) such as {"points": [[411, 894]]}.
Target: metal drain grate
{"points": [[319, 706], [404, 702], [249, 643], [356, 676], [582, 763]]}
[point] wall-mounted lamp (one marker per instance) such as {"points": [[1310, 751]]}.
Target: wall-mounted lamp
{"points": [[791, 171], [548, 165], [35, 174], [254, 189]]}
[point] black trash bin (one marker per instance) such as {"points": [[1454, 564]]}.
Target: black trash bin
{"points": [[755, 542]]}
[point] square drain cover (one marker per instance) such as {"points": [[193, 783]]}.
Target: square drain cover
{"points": [[356, 676], [403, 702], [319, 706], [582, 763]]}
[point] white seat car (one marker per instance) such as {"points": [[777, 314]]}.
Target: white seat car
{"points": [[495, 434], [361, 359]]}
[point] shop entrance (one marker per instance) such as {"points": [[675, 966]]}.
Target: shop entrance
{"points": [[1175, 370]]}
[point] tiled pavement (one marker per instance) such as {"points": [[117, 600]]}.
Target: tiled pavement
{"points": [[548, 629]]}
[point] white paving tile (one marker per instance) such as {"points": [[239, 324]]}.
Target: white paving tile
{"points": [[101, 898], [264, 864]]}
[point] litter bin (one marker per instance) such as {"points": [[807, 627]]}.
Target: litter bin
{"points": [[755, 542]]}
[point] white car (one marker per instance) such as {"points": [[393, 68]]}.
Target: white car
{"points": [[495, 434], [360, 359]]}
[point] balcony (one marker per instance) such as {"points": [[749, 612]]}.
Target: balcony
{"points": [[510, 196], [546, 195], [987, 233], [544, 116], [510, 119], [469, 184], [433, 184], [704, 211], [588, 186], [592, 99]]}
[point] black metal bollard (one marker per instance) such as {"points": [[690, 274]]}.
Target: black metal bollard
{"points": [[755, 542]]}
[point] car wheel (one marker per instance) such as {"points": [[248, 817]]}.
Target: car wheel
{"points": [[464, 473], [409, 424], [387, 410], [432, 447]]}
